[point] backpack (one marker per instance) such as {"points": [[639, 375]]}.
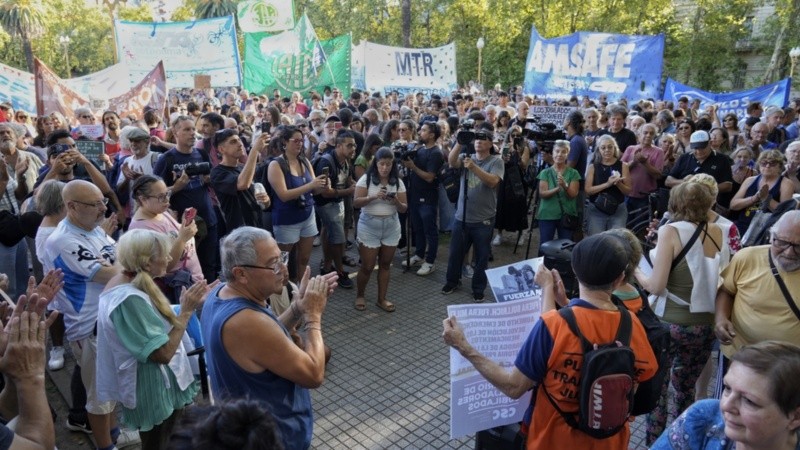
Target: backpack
{"points": [[649, 392], [451, 181], [606, 391]]}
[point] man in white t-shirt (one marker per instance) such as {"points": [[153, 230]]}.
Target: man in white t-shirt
{"points": [[141, 162]]}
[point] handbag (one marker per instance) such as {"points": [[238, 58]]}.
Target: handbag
{"points": [[606, 203], [757, 224], [568, 221]]}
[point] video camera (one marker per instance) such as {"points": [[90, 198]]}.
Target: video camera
{"points": [[403, 150], [544, 134], [193, 168]]}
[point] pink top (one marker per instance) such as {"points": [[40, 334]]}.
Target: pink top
{"points": [[642, 183], [170, 226]]}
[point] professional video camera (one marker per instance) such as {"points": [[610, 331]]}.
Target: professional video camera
{"points": [[193, 168], [544, 134], [403, 150]]}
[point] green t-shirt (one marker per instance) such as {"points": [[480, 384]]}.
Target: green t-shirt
{"points": [[549, 208]]}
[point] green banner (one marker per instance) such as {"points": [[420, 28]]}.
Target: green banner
{"points": [[296, 60]]}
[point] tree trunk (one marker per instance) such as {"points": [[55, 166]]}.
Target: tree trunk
{"points": [[28, 50], [406, 18], [778, 52]]}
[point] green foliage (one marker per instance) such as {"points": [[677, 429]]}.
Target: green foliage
{"points": [[185, 12], [24, 19], [141, 14]]}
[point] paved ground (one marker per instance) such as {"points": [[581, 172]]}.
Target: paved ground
{"points": [[387, 384]]}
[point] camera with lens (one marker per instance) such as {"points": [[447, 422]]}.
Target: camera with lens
{"points": [[403, 150], [465, 135], [194, 168], [544, 134]]}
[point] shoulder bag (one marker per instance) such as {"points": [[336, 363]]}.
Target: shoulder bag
{"points": [[568, 221]]}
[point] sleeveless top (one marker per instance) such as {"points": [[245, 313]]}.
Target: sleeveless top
{"points": [[601, 174], [743, 222], [289, 212], [289, 403]]}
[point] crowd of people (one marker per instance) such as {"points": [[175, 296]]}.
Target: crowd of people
{"points": [[195, 227]]}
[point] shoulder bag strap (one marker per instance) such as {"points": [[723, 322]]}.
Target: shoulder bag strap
{"points": [[782, 285], [624, 330], [700, 227], [558, 194]]}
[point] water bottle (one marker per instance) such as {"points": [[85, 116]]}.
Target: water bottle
{"points": [[259, 188]]}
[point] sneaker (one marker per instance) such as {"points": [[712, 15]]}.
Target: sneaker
{"points": [[415, 260], [78, 426], [477, 298], [317, 241], [127, 438], [344, 281], [498, 239], [56, 358], [449, 288], [426, 269], [467, 272]]}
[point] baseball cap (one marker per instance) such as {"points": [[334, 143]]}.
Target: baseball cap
{"points": [[138, 134], [598, 260], [699, 139]]}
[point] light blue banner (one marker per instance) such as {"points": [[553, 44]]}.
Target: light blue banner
{"points": [[591, 64], [206, 47], [775, 94]]}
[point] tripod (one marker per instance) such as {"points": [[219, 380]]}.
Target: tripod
{"points": [[533, 198]]}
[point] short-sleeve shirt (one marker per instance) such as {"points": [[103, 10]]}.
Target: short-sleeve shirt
{"points": [[420, 191], [642, 183], [80, 254], [624, 137], [380, 207], [169, 226], [195, 193], [578, 153], [556, 206], [482, 199], [717, 165], [552, 357]]}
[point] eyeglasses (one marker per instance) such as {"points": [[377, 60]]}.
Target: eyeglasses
{"points": [[276, 267], [684, 128], [86, 116], [22, 117], [783, 245], [101, 204], [768, 163], [163, 198]]}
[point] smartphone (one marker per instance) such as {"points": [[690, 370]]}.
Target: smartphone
{"points": [[189, 214], [391, 195], [326, 171], [265, 127]]}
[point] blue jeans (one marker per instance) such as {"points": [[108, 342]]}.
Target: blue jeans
{"points": [[447, 211], [14, 263], [598, 221], [547, 232], [426, 236], [479, 235]]}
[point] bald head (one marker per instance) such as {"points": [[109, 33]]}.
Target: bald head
{"points": [[759, 132], [85, 204], [78, 190], [788, 224]]}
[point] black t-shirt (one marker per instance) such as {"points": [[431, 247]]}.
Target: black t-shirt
{"points": [[239, 208], [624, 137], [6, 437], [195, 193], [338, 174], [717, 165], [420, 191]]}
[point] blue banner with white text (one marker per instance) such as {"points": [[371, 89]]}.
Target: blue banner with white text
{"points": [[592, 64], [775, 94]]}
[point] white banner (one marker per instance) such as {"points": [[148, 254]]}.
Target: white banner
{"points": [[203, 47], [265, 15], [497, 330], [410, 70], [17, 88]]}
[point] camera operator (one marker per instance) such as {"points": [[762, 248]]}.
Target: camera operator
{"points": [[423, 197], [186, 170], [484, 172], [512, 193]]}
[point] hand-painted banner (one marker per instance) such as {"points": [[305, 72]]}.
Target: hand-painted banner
{"points": [[594, 63], [296, 60], [357, 75], [497, 330], [55, 95], [202, 47], [16, 87], [775, 94], [410, 70], [109, 82], [268, 16]]}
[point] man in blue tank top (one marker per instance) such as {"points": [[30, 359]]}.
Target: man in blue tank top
{"points": [[248, 348]]}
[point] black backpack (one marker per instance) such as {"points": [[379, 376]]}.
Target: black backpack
{"points": [[606, 390], [649, 392]]}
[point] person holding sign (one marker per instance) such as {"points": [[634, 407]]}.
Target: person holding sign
{"points": [[550, 358]]}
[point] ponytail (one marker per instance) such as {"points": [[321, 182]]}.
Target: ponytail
{"points": [[144, 282]]}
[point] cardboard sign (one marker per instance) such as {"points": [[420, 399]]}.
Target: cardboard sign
{"points": [[202, 81], [92, 150]]}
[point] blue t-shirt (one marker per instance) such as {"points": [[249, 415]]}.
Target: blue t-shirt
{"points": [[6, 437], [195, 194]]}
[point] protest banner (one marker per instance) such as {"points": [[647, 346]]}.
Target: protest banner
{"points": [[296, 60], [591, 64], [497, 330], [54, 95], [16, 87], [92, 150], [515, 281], [266, 16], [357, 66], [409, 70], [110, 82], [775, 94], [556, 115], [187, 48]]}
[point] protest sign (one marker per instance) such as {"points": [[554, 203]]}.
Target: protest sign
{"points": [[775, 94], [16, 87], [497, 330], [296, 60], [92, 150], [410, 70], [110, 82], [187, 49], [515, 281], [265, 15], [556, 115], [92, 131], [591, 64]]}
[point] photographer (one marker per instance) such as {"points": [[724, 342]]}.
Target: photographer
{"points": [[186, 171], [423, 198], [511, 196], [484, 172]]}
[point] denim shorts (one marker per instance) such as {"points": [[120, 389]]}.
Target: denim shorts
{"points": [[332, 217], [291, 234], [375, 231]]}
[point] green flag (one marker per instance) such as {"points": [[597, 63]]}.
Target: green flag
{"points": [[296, 60]]}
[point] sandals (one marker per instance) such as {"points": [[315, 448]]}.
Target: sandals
{"points": [[386, 306], [361, 304]]}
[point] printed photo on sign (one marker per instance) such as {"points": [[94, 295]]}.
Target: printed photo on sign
{"points": [[497, 330], [515, 281]]}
